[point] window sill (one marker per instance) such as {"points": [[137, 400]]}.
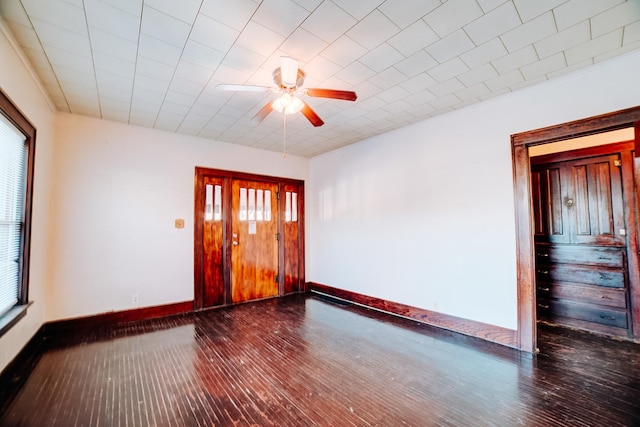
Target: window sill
{"points": [[12, 317]]}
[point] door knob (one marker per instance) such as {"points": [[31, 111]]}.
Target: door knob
{"points": [[234, 243], [569, 202]]}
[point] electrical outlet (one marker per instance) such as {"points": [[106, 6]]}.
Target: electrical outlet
{"points": [[135, 298]]}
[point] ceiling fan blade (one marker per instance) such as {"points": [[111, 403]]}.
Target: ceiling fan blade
{"points": [[311, 115], [244, 88], [345, 95], [263, 113], [289, 71]]}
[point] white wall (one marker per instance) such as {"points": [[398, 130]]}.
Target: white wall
{"points": [[117, 191], [425, 215], [16, 82]]}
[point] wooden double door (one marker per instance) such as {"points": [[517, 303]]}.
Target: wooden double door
{"points": [[249, 241], [581, 240]]}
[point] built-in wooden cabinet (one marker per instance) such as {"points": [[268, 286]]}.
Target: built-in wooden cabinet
{"points": [[581, 242]]}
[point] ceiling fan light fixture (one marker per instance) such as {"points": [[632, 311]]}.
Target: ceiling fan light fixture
{"points": [[288, 104]]}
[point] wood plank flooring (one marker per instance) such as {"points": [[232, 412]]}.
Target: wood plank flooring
{"points": [[303, 360]]}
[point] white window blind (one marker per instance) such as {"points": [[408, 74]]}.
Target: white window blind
{"points": [[12, 189]]}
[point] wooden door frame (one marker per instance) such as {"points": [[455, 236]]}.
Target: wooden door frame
{"points": [[198, 210], [525, 267]]}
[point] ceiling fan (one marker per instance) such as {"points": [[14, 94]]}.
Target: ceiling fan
{"points": [[288, 79]]}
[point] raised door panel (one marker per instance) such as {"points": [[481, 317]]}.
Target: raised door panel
{"points": [[539, 205], [550, 187], [597, 211], [292, 214], [254, 252], [212, 242]]}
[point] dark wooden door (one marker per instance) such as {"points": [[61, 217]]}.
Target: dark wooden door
{"points": [[579, 202], [249, 237], [254, 253]]}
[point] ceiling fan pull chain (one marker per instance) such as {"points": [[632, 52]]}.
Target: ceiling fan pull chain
{"points": [[284, 135]]}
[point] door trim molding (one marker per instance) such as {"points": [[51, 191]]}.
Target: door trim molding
{"points": [[520, 143], [198, 226]]}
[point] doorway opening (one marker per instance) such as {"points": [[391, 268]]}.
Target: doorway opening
{"points": [[525, 241], [249, 237]]}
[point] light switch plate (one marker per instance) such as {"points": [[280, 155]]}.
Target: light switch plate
{"points": [[179, 223]]}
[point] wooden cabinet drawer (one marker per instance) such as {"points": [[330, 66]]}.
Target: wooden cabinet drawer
{"points": [[552, 309], [586, 255], [583, 293], [611, 278]]}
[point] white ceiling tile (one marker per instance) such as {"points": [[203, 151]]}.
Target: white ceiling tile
{"points": [[574, 11], [594, 47], [309, 4], [618, 16], [344, 51], [450, 46], [164, 27], [605, 56], [328, 22], [358, 9], [192, 72], [115, 114], [489, 5], [150, 97], [106, 102], [381, 58], [446, 88], [212, 33], [184, 10], [259, 38], [158, 50], [302, 45], [517, 59], [61, 38], [12, 10], [530, 32], [132, 7], [112, 19], [103, 61], [406, 12], [202, 55], [530, 9], [421, 97], [564, 40], [503, 81], [243, 59], [631, 33], [59, 13], [570, 69], [355, 73], [544, 66], [175, 98], [477, 75], [281, 16], [453, 15], [149, 67], [417, 63], [446, 101], [59, 57], [101, 41], [230, 75], [106, 79], [393, 94], [25, 36], [448, 70], [373, 30], [321, 68], [365, 91], [472, 92], [494, 23], [387, 78], [413, 38], [420, 82], [484, 53], [235, 14]]}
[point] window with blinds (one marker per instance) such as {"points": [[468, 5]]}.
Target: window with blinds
{"points": [[13, 154]]}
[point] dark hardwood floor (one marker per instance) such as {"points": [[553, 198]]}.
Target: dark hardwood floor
{"points": [[303, 360]]}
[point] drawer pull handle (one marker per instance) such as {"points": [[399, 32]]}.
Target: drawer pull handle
{"points": [[544, 289], [543, 272], [543, 306], [604, 316], [604, 297], [604, 277], [543, 255]]}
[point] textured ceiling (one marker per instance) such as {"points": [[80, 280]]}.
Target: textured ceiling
{"points": [[156, 63]]}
